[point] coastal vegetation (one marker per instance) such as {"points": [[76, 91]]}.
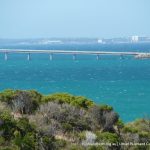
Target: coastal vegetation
{"points": [[61, 121]]}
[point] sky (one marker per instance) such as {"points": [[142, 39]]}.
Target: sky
{"points": [[74, 18]]}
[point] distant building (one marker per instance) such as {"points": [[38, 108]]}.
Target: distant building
{"points": [[121, 40], [99, 41], [144, 39], [134, 39]]}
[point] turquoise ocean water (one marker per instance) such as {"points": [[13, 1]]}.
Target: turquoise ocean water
{"points": [[121, 83]]}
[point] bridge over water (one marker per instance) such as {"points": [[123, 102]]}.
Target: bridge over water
{"points": [[74, 53]]}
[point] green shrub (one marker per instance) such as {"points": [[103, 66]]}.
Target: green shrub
{"points": [[81, 101], [61, 98], [60, 143], [74, 147], [107, 137], [144, 135], [21, 101], [120, 123], [9, 147], [25, 135], [130, 129], [2, 140], [36, 96], [26, 142], [67, 127], [95, 148], [7, 96], [106, 108], [48, 142], [24, 126], [8, 125], [81, 136]]}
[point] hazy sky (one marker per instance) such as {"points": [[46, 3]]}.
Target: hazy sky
{"points": [[74, 18]]}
